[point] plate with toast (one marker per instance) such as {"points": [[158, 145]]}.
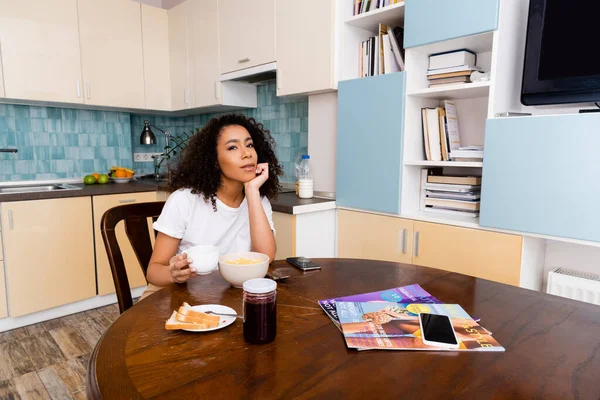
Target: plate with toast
{"points": [[195, 319]]}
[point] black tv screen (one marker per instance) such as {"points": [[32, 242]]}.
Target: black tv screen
{"points": [[561, 60]]}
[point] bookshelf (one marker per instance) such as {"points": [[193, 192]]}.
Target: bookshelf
{"points": [[451, 164], [462, 91], [370, 21], [352, 30]]}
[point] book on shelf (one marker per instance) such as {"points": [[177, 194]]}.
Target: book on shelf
{"points": [[464, 154], [451, 204], [443, 194], [464, 69], [451, 59], [440, 131], [403, 294], [454, 179], [395, 326], [364, 6], [382, 53]]}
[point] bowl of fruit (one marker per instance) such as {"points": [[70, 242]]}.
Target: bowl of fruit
{"points": [[121, 174], [95, 178]]}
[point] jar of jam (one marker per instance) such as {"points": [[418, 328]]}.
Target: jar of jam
{"points": [[259, 310]]}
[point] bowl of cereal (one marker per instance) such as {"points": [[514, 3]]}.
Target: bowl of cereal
{"points": [[237, 268]]}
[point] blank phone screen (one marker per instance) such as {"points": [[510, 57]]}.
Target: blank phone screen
{"points": [[437, 328]]}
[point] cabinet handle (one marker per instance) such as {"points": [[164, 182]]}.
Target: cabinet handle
{"points": [[217, 90], [10, 219], [88, 88], [417, 235], [404, 241], [78, 89], [127, 201], [243, 60]]}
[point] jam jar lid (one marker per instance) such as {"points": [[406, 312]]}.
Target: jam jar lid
{"points": [[259, 285]]}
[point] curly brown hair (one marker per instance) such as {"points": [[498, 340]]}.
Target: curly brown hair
{"points": [[198, 167]]}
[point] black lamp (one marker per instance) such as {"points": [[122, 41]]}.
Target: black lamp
{"points": [[148, 136]]}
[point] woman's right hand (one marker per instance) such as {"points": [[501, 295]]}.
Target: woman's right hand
{"points": [[180, 268]]}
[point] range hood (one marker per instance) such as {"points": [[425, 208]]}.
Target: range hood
{"points": [[258, 74]]}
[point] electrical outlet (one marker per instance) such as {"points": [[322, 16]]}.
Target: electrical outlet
{"points": [[144, 157]]}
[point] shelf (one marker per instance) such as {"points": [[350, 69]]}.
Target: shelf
{"points": [[446, 219], [480, 43], [464, 91], [463, 164], [390, 15]]}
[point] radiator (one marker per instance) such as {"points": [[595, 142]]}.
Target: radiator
{"points": [[575, 285]]}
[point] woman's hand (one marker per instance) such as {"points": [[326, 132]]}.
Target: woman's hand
{"points": [[180, 269], [262, 174]]}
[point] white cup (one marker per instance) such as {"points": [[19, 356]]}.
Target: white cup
{"points": [[205, 258]]}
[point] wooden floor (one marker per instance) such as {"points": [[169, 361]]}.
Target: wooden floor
{"points": [[49, 360]]}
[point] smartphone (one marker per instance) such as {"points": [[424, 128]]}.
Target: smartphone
{"points": [[305, 264], [437, 330]]}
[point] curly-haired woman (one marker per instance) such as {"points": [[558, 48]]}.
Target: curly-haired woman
{"points": [[221, 190]]}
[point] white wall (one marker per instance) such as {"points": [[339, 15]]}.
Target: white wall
{"points": [[322, 133]]}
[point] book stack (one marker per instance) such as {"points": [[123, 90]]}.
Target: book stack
{"points": [[363, 6], [382, 54], [450, 194], [467, 153], [441, 136], [451, 68]]}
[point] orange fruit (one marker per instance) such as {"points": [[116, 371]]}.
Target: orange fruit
{"points": [[120, 174], [129, 175], [96, 175]]}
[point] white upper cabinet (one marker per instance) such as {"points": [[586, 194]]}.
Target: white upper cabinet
{"points": [[1, 76], [155, 32], [111, 53], [39, 42], [305, 40], [179, 56], [247, 33], [204, 51]]}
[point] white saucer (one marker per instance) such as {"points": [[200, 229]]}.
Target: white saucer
{"points": [[223, 322]]}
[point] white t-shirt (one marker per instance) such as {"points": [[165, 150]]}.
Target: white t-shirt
{"points": [[189, 217]]}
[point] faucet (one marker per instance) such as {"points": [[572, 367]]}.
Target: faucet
{"points": [[8, 150]]}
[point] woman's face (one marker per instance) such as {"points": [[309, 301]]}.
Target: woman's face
{"points": [[236, 154]]}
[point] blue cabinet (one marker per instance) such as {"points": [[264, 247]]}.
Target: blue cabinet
{"points": [[542, 175], [369, 142], [430, 21]]}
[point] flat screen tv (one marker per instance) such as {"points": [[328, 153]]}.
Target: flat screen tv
{"points": [[562, 64]]}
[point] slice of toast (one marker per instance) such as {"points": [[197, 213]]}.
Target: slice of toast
{"points": [[173, 324], [186, 309], [194, 320]]}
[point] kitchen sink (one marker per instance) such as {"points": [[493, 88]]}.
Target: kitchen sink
{"points": [[37, 188]]}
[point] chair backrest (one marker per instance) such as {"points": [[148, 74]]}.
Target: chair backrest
{"points": [[135, 218]]}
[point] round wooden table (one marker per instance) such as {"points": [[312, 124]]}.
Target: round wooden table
{"points": [[552, 344]]}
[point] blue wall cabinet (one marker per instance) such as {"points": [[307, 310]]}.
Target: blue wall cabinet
{"points": [[369, 142], [541, 175], [430, 21]]}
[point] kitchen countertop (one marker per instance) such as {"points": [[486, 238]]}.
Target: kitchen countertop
{"points": [[287, 201]]}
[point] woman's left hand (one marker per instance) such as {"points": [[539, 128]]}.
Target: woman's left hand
{"points": [[262, 174]]}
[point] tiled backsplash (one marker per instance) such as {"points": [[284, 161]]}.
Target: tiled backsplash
{"points": [[57, 143]]}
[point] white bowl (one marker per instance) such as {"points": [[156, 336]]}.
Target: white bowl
{"points": [[205, 258], [237, 274], [120, 180]]}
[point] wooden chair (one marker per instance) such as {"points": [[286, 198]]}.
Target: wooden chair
{"points": [[135, 217]]}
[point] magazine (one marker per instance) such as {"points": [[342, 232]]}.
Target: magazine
{"points": [[394, 326], [404, 294]]}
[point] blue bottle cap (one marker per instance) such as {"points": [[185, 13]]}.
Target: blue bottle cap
{"points": [[305, 156]]}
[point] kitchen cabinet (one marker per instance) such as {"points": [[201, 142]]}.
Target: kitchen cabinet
{"points": [[204, 45], [246, 33], [180, 64], [298, 48], [155, 32], [482, 254], [134, 272], [48, 253], [370, 139], [430, 21], [543, 195], [1, 76], [40, 53], [285, 238], [374, 237], [112, 58]]}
